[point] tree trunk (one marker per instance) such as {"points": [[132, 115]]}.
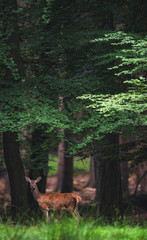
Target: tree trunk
{"points": [[65, 168], [108, 178], [67, 185], [60, 164], [124, 169], [11, 145], [15, 170], [39, 163]]}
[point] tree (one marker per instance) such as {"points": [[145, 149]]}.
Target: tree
{"points": [[15, 170], [11, 145], [85, 63], [38, 163], [125, 110], [65, 166], [108, 178]]}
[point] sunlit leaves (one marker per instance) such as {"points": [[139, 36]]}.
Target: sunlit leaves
{"points": [[127, 108]]}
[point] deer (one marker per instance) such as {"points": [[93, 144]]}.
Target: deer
{"points": [[55, 201]]}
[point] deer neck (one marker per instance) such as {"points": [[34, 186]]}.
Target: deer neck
{"points": [[36, 193]]}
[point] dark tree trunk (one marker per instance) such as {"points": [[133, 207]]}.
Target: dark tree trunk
{"points": [[38, 166], [65, 169], [38, 161], [11, 145], [67, 185], [15, 170], [65, 161], [39, 158], [60, 164], [124, 168], [108, 178]]}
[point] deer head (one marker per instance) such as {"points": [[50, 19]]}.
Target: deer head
{"points": [[33, 182]]}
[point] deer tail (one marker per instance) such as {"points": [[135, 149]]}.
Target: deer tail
{"points": [[77, 200]]}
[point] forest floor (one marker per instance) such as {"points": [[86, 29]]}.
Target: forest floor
{"points": [[81, 188]]}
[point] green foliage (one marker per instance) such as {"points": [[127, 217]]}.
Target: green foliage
{"points": [[126, 109], [78, 165], [70, 229], [59, 58], [35, 99]]}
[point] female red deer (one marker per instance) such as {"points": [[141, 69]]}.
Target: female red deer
{"points": [[56, 201]]}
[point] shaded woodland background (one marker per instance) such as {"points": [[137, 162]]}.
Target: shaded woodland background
{"points": [[73, 85]]}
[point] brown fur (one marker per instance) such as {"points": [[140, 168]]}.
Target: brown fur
{"points": [[55, 201]]}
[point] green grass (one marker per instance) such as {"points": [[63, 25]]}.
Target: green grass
{"points": [[53, 164], [79, 166], [69, 229]]}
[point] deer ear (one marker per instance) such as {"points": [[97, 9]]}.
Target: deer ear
{"points": [[28, 179], [38, 179]]}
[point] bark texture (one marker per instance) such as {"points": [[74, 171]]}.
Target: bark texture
{"points": [[11, 145], [15, 170], [108, 178], [65, 168]]}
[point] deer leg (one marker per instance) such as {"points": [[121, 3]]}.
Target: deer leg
{"points": [[46, 213], [76, 215]]}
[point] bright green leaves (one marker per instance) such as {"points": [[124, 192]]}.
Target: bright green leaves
{"points": [[47, 11], [129, 106]]}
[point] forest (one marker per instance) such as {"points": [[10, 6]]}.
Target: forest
{"points": [[73, 119]]}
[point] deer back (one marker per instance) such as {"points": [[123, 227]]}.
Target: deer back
{"points": [[59, 201]]}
